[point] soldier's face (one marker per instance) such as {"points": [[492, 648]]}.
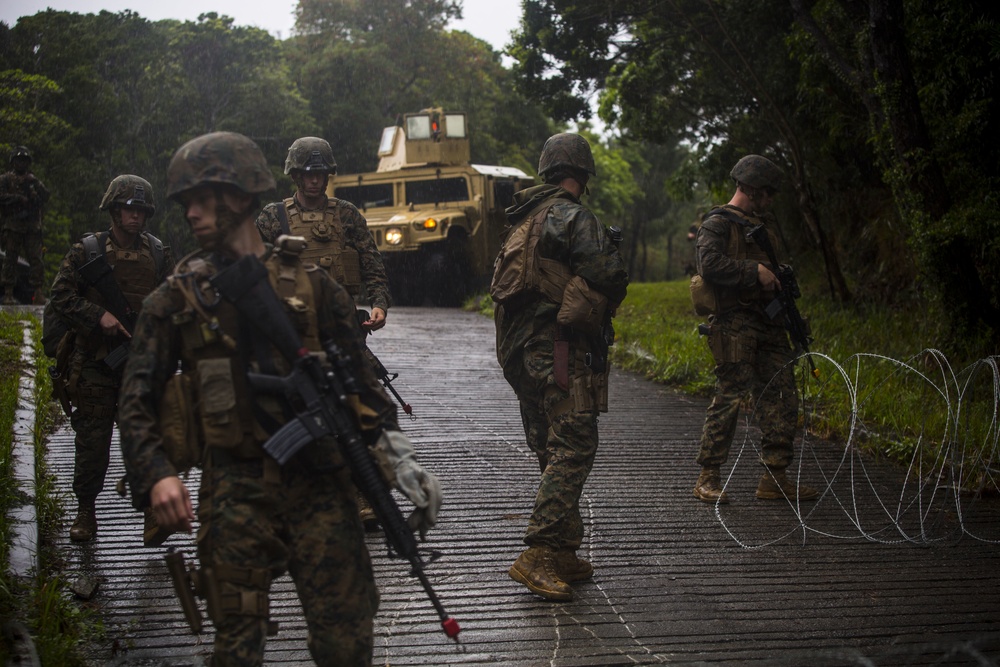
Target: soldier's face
{"points": [[200, 208], [132, 219], [311, 183], [21, 165]]}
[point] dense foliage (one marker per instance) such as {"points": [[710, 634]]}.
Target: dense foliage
{"points": [[97, 95], [883, 114]]}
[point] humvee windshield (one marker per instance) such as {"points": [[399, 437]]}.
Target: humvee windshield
{"points": [[436, 191], [366, 196]]}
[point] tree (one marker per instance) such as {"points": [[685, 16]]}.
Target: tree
{"points": [[706, 73], [907, 62], [363, 65]]}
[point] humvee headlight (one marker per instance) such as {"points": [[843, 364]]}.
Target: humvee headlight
{"points": [[394, 236], [428, 225]]}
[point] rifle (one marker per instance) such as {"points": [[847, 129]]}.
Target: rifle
{"points": [[321, 394], [784, 302], [383, 375], [97, 272]]}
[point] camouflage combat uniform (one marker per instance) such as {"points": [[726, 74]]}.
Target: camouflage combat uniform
{"points": [[752, 352], [22, 197], [564, 439], [93, 385], [257, 519], [353, 230]]}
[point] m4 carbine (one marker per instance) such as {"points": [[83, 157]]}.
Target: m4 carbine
{"points": [[381, 372], [321, 395], [784, 302]]}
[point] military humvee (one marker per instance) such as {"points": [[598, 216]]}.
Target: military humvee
{"points": [[436, 218]]}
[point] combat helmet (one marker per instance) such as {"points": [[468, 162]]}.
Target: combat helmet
{"points": [[129, 190], [19, 151], [310, 154], [566, 150], [757, 172], [219, 158]]}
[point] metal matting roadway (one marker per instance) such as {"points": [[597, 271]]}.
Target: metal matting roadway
{"points": [[672, 583]]}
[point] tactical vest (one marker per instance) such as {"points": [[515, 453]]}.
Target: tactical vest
{"points": [[520, 270], [327, 245], [229, 415], [739, 248], [135, 271]]}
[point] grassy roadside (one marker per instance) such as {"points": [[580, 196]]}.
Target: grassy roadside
{"points": [[58, 625], [887, 378]]}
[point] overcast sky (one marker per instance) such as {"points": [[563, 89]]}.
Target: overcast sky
{"points": [[490, 20]]}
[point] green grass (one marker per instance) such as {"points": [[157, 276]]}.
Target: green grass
{"points": [[59, 625]]}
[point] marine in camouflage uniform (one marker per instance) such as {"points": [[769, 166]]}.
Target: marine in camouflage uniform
{"points": [[751, 351], [560, 422], [337, 236], [22, 197], [257, 519], [139, 262], [336, 231]]}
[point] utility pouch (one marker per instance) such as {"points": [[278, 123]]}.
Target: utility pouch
{"points": [[727, 348], [583, 307], [177, 426], [219, 419], [590, 392], [703, 297]]}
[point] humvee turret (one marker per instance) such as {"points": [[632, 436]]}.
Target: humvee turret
{"points": [[436, 217]]}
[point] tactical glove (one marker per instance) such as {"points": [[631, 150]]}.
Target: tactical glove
{"points": [[421, 487]]}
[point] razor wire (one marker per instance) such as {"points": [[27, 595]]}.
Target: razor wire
{"points": [[947, 421]]}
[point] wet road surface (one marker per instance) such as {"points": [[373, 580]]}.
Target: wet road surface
{"points": [[675, 581]]}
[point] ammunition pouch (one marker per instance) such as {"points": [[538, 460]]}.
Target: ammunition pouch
{"points": [[224, 589], [590, 392], [178, 430], [219, 413], [582, 308], [727, 348]]}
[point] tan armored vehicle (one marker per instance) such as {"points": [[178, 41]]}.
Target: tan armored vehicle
{"points": [[436, 218]]}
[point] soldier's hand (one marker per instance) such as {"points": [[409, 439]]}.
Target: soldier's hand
{"points": [[376, 321], [171, 503], [767, 279], [110, 326], [421, 487]]}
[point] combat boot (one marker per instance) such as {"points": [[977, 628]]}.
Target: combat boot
{"points": [[709, 486], [571, 567], [85, 525], [775, 485], [536, 569]]}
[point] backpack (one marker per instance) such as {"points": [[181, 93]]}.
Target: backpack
{"points": [[518, 267]]}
